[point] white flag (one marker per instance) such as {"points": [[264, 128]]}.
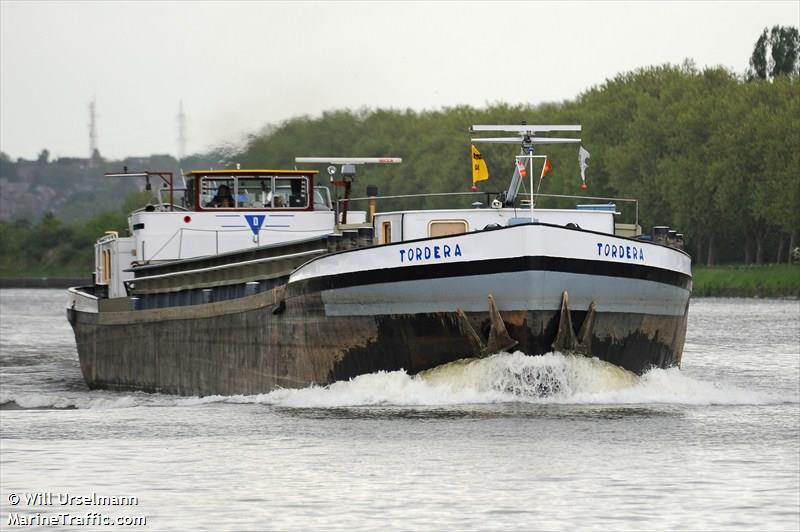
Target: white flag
{"points": [[582, 156]]}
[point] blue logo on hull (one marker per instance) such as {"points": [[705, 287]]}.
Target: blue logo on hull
{"points": [[255, 221]]}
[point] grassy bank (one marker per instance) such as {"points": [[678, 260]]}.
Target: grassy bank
{"points": [[772, 280]]}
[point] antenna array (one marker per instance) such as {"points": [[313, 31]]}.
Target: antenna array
{"points": [[92, 130]]}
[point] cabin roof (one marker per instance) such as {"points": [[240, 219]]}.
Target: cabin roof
{"points": [[252, 172]]}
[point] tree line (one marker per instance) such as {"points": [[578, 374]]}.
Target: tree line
{"points": [[51, 247], [709, 152], [73, 188]]}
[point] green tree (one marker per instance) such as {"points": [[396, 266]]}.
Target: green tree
{"points": [[704, 151], [776, 52]]}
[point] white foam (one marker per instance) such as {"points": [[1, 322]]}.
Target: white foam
{"points": [[54, 401], [515, 377], [500, 378], [671, 386]]}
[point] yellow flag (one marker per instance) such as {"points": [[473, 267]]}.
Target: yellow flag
{"points": [[479, 170]]}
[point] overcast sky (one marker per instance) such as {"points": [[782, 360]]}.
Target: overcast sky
{"points": [[239, 66]]}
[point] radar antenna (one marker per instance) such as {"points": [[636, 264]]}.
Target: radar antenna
{"points": [[348, 171], [528, 135]]}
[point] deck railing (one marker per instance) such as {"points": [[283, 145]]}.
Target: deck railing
{"points": [[489, 195]]}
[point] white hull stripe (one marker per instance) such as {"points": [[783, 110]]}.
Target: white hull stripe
{"points": [[492, 266]]}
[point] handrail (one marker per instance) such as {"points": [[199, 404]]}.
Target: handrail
{"points": [[161, 207], [429, 194], [78, 292], [488, 194], [179, 233], [230, 265], [339, 201], [630, 200], [580, 197], [146, 174]]}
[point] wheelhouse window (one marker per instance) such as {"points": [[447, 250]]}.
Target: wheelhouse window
{"points": [[218, 193], [291, 193], [254, 192], [322, 199]]}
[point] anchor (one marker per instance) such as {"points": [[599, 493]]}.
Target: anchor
{"points": [[499, 339], [566, 341]]}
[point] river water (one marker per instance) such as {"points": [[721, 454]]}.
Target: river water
{"points": [[470, 446]]}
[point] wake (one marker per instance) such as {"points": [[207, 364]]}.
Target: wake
{"points": [[502, 378], [516, 378]]}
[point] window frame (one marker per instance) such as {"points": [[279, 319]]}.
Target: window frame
{"points": [[448, 221], [201, 179]]}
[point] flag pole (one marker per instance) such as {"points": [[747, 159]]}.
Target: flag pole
{"points": [[533, 196], [541, 176]]}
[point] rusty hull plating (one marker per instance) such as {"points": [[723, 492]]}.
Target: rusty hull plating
{"points": [[245, 347]]}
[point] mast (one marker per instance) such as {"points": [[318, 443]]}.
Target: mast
{"points": [[526, 138]]}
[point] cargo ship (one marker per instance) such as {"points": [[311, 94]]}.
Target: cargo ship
{"points": [[242, 281]]}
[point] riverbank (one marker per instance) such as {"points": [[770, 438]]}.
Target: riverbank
{"points": [[738, 280]]}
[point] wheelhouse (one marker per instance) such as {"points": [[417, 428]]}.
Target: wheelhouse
{"points": [[232, 190]]}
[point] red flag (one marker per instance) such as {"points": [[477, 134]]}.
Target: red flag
{"points": [[547, 167]]}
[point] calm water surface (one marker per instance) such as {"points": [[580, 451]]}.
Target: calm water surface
{"points": [[470, 446]]}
